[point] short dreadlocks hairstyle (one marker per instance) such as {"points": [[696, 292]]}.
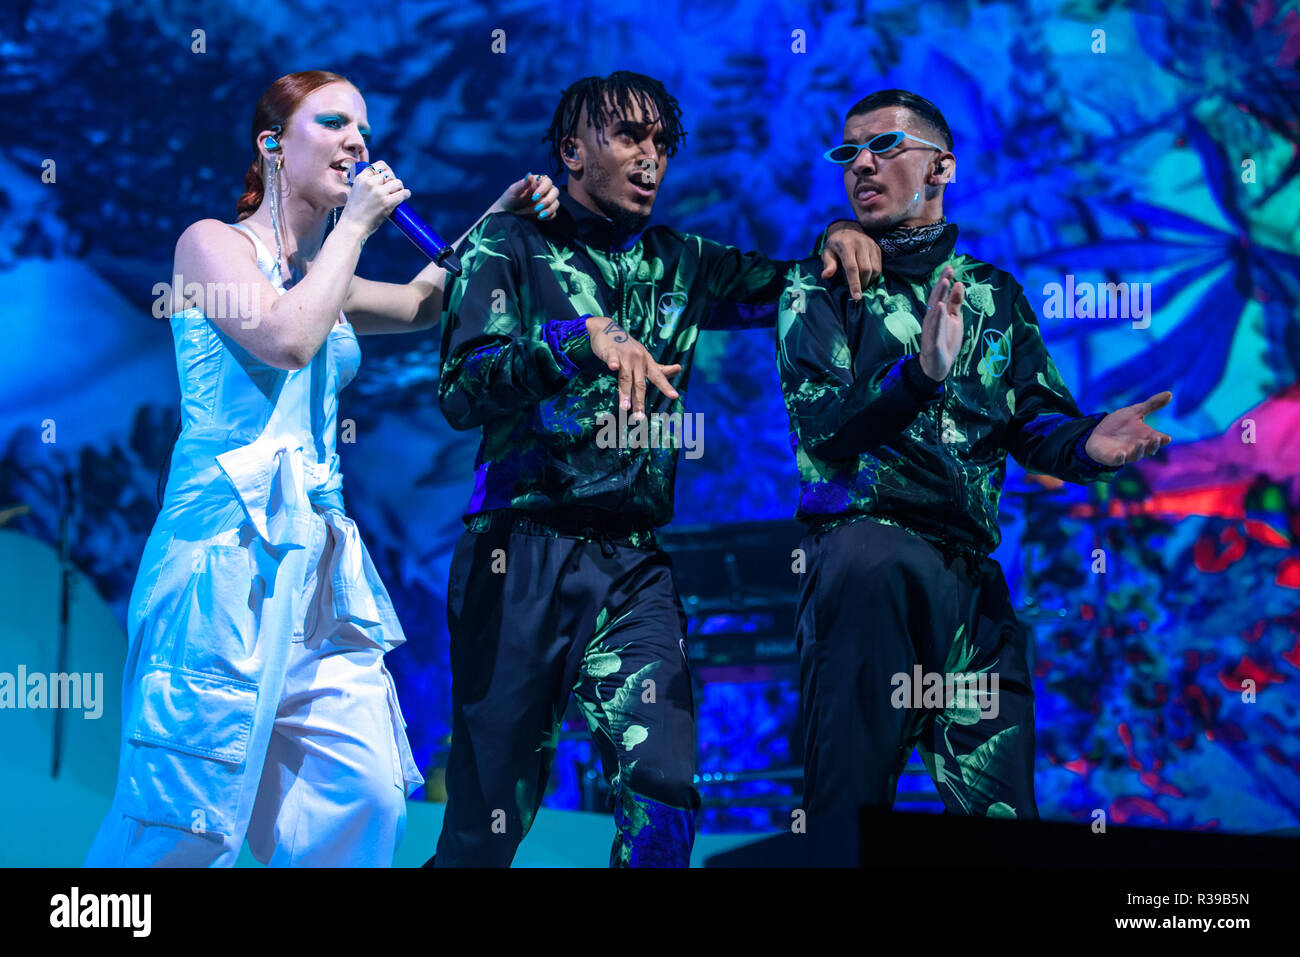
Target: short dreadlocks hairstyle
{"points": [[621, 89]]}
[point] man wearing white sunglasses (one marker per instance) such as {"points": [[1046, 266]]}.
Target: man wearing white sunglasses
{"points": [[904, 406]]}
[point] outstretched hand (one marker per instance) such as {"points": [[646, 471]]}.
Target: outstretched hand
{"points": [[614, 346], [1123, 436], [534, 196]]}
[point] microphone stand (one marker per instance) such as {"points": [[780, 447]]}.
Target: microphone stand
{"points": [[65, 602]]}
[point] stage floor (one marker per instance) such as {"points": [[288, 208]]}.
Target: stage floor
{"points": [[50, 823]]}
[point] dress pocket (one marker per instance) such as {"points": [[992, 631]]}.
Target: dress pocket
{"points": [[209, 623], [187, 738]]}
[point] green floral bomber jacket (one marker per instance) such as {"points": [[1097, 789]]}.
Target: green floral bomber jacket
{"points": [[517, 361], [874, 436]]}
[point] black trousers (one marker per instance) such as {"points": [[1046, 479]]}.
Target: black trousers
{"points": [[536, 613], [902, 646]]}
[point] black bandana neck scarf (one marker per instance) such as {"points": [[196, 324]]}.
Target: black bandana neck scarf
{"points": [[903, 240]]}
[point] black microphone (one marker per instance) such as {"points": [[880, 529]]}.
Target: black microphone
{"points": [[417, 230]]}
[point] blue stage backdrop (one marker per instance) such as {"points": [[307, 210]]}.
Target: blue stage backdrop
{"points": [[1098, 142]]}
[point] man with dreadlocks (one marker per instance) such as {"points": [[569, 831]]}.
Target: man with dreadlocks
{"points": [[558, 585], [904, 406]]}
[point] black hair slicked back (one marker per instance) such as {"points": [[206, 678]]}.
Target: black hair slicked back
{"points": [[924, 110]]}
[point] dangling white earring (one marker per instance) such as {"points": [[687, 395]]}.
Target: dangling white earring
{"points": [[273, 189]]}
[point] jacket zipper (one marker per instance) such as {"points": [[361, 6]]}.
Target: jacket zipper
{"points": [[950, 460], [624, 453]]}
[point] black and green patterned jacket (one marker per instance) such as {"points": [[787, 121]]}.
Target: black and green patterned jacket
{"points": [[516, 360], [874, 436]]}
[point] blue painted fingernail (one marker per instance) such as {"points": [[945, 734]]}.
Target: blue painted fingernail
{"points": [[539, 206], [544, 215], [536, 196]]}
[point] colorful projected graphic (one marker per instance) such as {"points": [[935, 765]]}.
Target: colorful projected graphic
{"points": [[1136, 168]]}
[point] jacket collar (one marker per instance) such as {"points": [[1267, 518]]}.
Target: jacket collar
{"points": [[919, 265], [577, 221]]}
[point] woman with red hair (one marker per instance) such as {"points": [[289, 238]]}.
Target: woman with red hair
{"points": [[255, 701]]}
